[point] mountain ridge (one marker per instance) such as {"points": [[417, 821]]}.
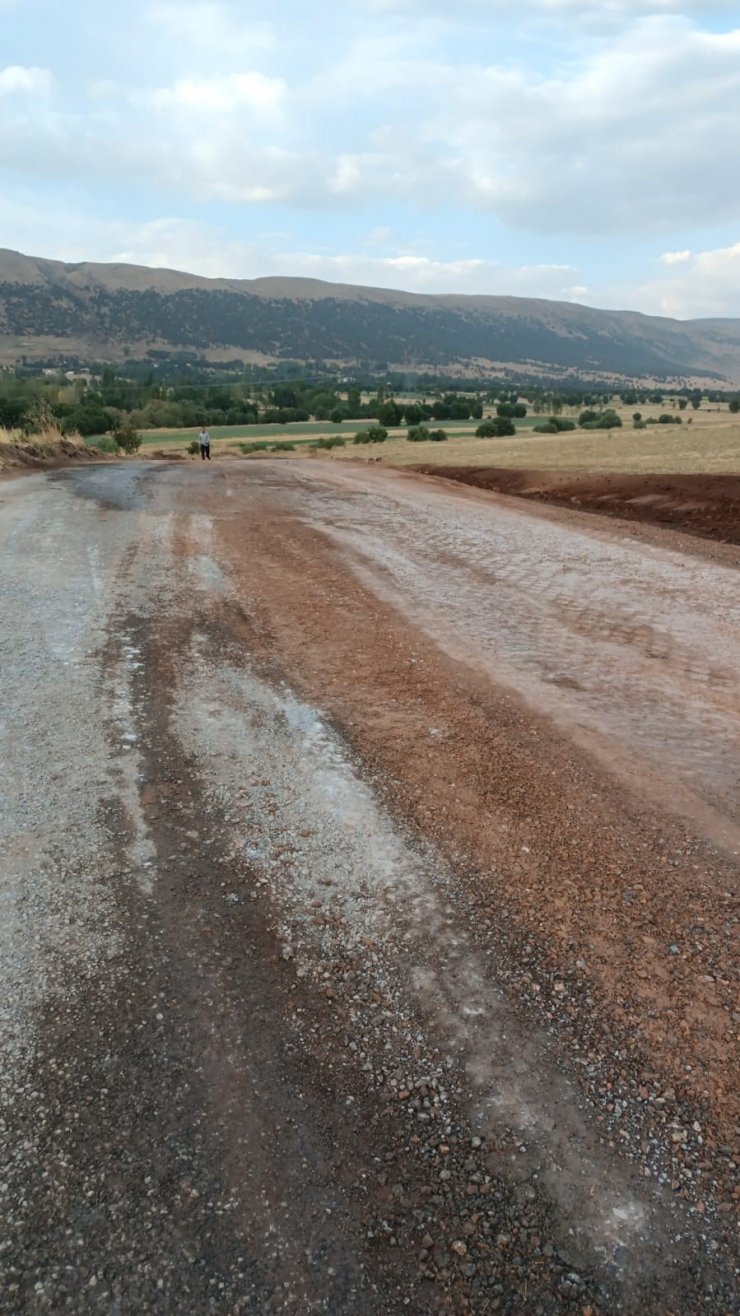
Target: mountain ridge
{"points": [[110, 310]]}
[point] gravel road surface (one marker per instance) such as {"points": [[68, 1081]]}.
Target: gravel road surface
{"points": [[368, 899]]}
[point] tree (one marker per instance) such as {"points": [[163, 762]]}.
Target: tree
{"points": [[497, 427], [390, 414], [735, 406], [414, 413], [284, 395]]}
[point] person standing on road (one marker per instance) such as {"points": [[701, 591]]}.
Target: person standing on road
{"points": [[204, 440]]}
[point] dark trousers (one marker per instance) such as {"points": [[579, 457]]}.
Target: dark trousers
{"points": [[205, 451]]}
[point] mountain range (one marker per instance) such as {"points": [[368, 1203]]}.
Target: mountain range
{"points": [[50, 310]]}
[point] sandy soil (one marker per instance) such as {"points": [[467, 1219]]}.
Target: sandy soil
{"points": [[368, 866]]}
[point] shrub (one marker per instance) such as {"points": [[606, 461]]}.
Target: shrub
{"points": [[88, 418], [194, 446], [438, 436], [560, 423], [605, 420], [102, 443], [735, 406], [126, 437], [639, 424], [336, 442], [497, 427], [418, 434], [283, 447], [587, 418], [375, 434], [546, 428]]}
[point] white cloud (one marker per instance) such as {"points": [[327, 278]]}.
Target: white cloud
{"points": [[633, 134], [705, 284], [638, 134], [174, 243], [675, 257], [224, 95], [16, 80]]}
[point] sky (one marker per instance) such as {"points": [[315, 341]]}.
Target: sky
{"points": [[564, 149]]}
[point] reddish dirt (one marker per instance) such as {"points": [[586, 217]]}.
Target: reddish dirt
{"points": [[559, 855], [705, 505]]}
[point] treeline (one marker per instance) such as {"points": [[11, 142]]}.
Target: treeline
{"points": [[100, 406], [148, 395]]}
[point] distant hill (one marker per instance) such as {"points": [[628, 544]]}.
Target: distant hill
{"points": [[108, 311]]}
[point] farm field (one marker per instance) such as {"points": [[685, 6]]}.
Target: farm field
{"points": [[229, 435], [710, 448], [710, 444]]}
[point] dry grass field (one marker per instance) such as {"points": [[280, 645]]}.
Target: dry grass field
{"points": [[709, 446]]}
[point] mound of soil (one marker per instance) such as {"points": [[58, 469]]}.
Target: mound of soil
{"points": [[706, 505], [37, 456]]}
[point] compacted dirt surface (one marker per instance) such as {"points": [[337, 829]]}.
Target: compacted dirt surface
{"points": [[706, 505], [368, 875]]}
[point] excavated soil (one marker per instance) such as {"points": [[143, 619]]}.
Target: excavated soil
{"points": [[705, 505], [16, 458]]}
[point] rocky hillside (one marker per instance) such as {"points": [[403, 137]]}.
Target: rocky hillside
{"points": [[47, 307]]}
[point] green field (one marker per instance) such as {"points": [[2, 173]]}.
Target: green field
{"points": [[223, 435]]}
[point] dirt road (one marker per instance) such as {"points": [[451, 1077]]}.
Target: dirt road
{"points": [[368, 873]]}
